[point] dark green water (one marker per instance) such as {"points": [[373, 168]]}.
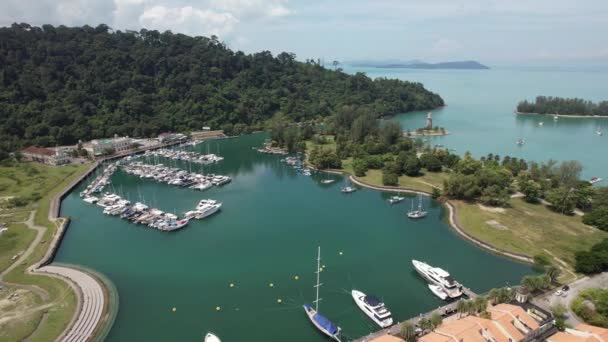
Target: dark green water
{"points": [[271, 223]]}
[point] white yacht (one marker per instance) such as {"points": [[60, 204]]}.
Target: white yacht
{"points": [[211, 338], [438, 291], [202, 186], [395, 199], [207, 207], [419, 213], [373, 308], [439, 277], [91, 199], [327, 181]]}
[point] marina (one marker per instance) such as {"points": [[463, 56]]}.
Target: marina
{"points": [[281, 215], [175, 176]]}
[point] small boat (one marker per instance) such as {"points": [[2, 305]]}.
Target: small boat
{"points": [[91, 199], [395, 199], [321, 322], [555, 117], [599, 132], [520, 142], [210, 337], [327, 181], [348, 189], [419, 213], [438, 291], [373, 308], [592, 181], [541, 123]]}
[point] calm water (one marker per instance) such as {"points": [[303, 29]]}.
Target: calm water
{"points": [[480, 112], [271, 222]]}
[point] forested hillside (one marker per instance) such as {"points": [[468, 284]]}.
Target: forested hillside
{"points": [[60, 84]]}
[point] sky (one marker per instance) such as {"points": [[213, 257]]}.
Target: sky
{"points": [[490, 31]]}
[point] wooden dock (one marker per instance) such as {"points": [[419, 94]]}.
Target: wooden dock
{"points": [[445, 311]]}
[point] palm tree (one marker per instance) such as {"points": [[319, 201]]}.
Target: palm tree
{"points": [[461, 307], [436, 320], [408, 332], [425, 324], [480, 304]]}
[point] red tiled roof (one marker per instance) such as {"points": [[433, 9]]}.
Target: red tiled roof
{"points": [[39, 151]]}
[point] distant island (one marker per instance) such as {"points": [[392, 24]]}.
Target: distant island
{"points": [[563, 107], [417, 64]]}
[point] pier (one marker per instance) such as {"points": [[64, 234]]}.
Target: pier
{"points": [[445, 311]]}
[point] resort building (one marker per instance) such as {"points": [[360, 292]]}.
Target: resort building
{"points": [[581, 333], [101, 147], [45, 155], [506, 323], [164, 138]]}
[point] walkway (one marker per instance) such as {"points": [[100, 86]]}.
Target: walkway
{"points": [[92, 302], [90, 294], [452, 218], [445, 310]]}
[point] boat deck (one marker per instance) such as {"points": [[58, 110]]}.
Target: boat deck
{"points": [[396, 328]]}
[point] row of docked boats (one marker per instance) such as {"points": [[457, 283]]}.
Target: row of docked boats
{"points": [[440, 283], [175, 176], [140, 213], [189, 156], [100, 182]]}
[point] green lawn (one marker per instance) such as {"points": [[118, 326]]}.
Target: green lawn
{"points": [[52, 181], [425, 182], [13, 241], [528, 229]]}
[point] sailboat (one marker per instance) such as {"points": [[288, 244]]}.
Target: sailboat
{"points": [[416, 214], [320, 321], [348, 189], [599, 132]]}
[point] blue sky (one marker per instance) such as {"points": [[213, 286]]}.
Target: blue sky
{"points": [[491, 31]]}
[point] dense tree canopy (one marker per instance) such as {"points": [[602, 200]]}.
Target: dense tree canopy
{"points": [[559, 105], [60, 84]]}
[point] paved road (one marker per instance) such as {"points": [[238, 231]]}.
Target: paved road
{"points": [[549, 300], [90, 293]]}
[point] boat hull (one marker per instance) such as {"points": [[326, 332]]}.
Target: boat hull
{"points": [[357, 295], [212, 338], [310, 312]]}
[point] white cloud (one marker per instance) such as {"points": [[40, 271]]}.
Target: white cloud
{"points": [[253, 8], [188, 20]]}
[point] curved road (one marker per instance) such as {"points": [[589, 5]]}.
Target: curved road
{"points": [[90, 294]]}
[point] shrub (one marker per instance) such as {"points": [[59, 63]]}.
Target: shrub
{"points": [[389, 178], [359, 167]]}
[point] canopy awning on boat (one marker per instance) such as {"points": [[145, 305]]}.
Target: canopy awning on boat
{"points": [[372, 300], [325, 324]]}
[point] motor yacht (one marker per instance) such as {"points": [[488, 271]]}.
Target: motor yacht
{"points": [[439, 277], [373, 308]]}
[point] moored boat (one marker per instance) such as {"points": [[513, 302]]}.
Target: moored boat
{"points": [[438, 291], [373, 308], [210, 337], [319, 321], [439, 277]]}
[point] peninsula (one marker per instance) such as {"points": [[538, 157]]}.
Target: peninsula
{"points": [[559, 106]]}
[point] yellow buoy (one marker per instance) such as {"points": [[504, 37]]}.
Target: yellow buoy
{"points": [[231, 284], [279, 301], [271, 285], [217, 308], [296, 277], [174, 309]]}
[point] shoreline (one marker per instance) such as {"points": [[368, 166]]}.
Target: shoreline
{"points": [[566, 115], [452, 219]]}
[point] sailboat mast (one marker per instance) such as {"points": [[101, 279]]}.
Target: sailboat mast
{"points": [[318, 278]]}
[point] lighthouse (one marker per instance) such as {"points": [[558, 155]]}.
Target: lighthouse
{"points": [[429, 121]]}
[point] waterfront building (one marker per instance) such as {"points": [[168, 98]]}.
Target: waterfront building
{"points": [[165, 138], [506, 323], [581, 333], [45, 155], [101, 147]]}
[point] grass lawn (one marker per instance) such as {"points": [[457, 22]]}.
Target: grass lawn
{"points": [[13, 241], [52, 181], [528, 229], [425, 182]]}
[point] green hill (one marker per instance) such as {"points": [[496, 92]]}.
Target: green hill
{"points": [[61, 84]]}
